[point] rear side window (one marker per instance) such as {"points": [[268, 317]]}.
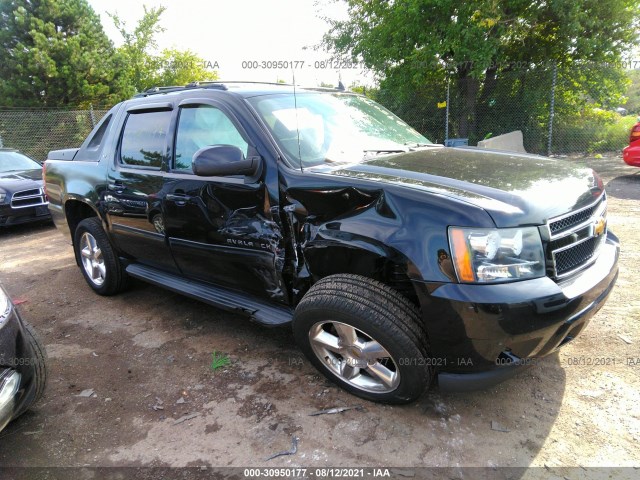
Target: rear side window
{"points": [[144, 139], [96, 140], [94, 144]]}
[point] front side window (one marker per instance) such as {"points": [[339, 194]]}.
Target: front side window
{"points": [[144, 139], [203, 126]]}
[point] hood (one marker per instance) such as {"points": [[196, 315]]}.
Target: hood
{"points": [[515, 189], [12, 182]]}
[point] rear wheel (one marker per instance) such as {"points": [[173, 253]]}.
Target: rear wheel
{"points": [[364, 336], [99, 264]]}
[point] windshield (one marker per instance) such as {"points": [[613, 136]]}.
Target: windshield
{"points": [[333, 128], [11, 161]]}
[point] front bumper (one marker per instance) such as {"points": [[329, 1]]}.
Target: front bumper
{"points": [[15, 216], [482, 334], [15, 359]]}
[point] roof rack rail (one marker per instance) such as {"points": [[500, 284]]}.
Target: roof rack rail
{"points": [[206, 84], [249, 82], [217, 85], [168, 89]]}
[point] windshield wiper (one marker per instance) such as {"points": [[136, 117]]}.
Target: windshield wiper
{"points": [[421, 145], [386, 150]]}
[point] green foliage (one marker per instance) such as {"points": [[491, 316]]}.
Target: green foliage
{"points": [[179, 67], [362, 90], [498, 56], [633, 92], [219, 360], [55, 53], [139, 63], [145, 68], [592, 131]]}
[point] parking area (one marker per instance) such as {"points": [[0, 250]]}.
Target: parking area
{"points": [[131, 381]]}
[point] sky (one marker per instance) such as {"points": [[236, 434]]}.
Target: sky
{"points": [[243, 38]]}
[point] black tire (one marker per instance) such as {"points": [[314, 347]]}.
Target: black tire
{"points": [[378, 314], [114, 279], [39, 362]]}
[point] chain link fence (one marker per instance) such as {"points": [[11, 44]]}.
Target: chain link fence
{"points": [[551, 109], [543, 104], [36, 132]]}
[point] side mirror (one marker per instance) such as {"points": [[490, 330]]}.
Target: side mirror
{"points": [[223, 160]]}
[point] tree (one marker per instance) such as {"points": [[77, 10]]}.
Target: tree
{"points": [[490, 48], [180, 67], [633, 93], [55, 53], [145, 68], [138, 44]]}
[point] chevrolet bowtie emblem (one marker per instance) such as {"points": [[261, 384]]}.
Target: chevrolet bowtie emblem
{"points": [[599, 226]]}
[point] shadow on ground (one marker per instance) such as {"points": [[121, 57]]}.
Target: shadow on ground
{"points": [[625, 187]]}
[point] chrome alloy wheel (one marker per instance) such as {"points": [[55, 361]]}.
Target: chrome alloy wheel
{"points": [[354, 357], [92, 259]]}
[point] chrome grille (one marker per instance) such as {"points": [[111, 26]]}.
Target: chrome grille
{"points": [[29, 198], [576, 255], [575, 238], [569, 221]]}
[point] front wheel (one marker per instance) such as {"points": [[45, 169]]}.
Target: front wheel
{"points": [[364, 336], [39, 363], [99, 264]]}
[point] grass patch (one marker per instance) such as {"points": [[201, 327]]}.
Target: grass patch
{"points": [[219, 360]]}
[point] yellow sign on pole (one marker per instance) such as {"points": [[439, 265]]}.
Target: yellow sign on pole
{"points": [[442, 104]]}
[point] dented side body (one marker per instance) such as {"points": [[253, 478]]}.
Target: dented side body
{"points": [[274, 235]]}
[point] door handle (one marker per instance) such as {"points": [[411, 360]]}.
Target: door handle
{"points": [[179, 199]]}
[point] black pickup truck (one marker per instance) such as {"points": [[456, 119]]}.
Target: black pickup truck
{"points": [[397, 262]]}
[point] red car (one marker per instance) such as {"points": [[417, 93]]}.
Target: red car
{"points": [[631, 154]]}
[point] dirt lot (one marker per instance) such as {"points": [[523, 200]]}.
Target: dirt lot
{"points": [[148, 347]]}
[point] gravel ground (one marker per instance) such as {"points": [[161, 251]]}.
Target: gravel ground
{"points": [[147, 354]]}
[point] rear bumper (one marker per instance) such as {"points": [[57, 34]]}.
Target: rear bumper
{"points": [[481, 335], [631, 154]]}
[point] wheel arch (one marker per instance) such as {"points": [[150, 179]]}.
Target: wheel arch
{"points": [[75, 211], [362, 256]]}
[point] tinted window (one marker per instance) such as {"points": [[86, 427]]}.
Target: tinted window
{"points": [[202, 126], [144, 139]]}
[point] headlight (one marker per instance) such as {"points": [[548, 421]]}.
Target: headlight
{"points": [[483, 255], [5, 306], [2, 196]]}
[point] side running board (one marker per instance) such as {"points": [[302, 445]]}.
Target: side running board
{"points": [[256, 309]]}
